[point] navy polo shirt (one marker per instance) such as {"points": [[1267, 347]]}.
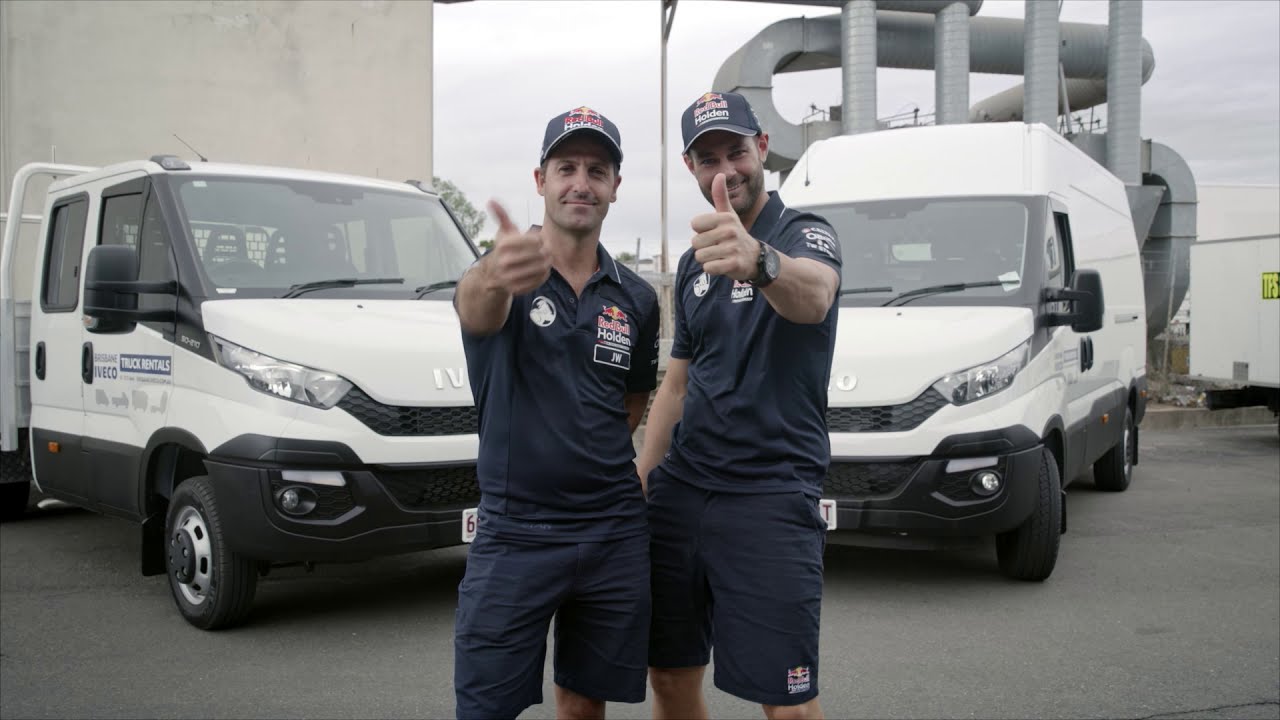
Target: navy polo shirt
{"points": [[755, 414], [556, 460]]}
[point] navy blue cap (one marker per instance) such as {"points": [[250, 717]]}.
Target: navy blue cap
{"points": [[581, 119], [718, 111]]}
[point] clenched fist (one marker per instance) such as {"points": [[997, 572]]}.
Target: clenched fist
{"points": [[519, 261], [722, 245]]}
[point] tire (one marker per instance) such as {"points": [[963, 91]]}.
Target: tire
{"points": [[1030, 551], [212, 586], [1114, 470], [15, 484]]}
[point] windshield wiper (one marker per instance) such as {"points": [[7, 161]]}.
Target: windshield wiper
{"points": [[425, 290], [860, 290], [938, 289], [296, 290]]}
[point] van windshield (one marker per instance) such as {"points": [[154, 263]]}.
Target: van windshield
{"points": [[891, 247], [271, 235]]}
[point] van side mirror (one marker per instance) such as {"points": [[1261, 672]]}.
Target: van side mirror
{"points": [[1087, 304], [111, 290]]}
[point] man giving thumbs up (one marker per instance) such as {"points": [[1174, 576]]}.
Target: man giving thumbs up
{"points": [[561, 345], [737, 537]]}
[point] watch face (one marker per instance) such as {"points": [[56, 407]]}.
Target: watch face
{"points": [[771, 263]]}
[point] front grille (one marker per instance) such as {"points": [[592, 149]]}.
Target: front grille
{"points": [[867, 479], [404, 421], [331, 502], [425, 488], [885, 418]]}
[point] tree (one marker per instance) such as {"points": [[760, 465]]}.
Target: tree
{"points": [[471, 219], [625, 257]]}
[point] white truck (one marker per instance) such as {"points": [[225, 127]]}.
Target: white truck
{"points": [[991, 341], [1235, 324], [258, 365]]}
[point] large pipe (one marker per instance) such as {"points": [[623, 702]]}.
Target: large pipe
{"points": [[1124, 89], [903, 40], [1166, 255], [951, 58], [858, 48], [1041, 63]]}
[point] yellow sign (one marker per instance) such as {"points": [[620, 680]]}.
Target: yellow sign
{"points": [[1271, 286]]}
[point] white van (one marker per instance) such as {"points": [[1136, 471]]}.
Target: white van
{"points": [[991, 343], [258, 365]]}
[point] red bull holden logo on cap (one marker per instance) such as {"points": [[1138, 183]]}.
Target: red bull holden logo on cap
{"points": [[583, 117], [711, 106]]}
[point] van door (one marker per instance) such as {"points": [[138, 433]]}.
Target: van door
{"points": [[1069, 347], [127, 395], [57, 409]]}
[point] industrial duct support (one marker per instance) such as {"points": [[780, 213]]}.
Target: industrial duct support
{"points": [[903, 40], [858, 48], [951, 58], [1041, 63], [1166, 255], [1124, 66]]}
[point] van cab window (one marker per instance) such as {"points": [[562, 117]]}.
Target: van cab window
{"points": [[265, 236], [900, 245], [60, 287]]}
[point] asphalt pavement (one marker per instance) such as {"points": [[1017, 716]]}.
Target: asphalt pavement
{"points": [[1165, 603]]}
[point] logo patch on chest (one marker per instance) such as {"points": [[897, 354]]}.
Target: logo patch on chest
{"points": [[701, 285], [543, 312], [742, 292], [613, 338]]}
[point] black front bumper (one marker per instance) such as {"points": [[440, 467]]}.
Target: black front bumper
{"points": [[917, 495], [379, 510]]}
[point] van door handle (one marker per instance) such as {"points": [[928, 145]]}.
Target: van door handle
{"points": [[40, 360], [86, 363]]}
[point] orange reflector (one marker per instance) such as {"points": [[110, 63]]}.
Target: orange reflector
{"points": [[1144, 393], [54, 447], [1106, 418]]}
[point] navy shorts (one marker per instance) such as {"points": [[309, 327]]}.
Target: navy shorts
{"points": [[599, 596], [745, 570]]}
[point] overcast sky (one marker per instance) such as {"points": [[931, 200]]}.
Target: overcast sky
{"points": [[503, 68]]}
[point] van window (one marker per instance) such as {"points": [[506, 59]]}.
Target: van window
{"points": [[1053, 264], [265, 235], [121, 218], [1062, 232], [60, 291], [155, 257], [909, 244]]}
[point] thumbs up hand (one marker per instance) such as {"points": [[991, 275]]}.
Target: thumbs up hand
{"points": [[722, 245], [520, 260]]}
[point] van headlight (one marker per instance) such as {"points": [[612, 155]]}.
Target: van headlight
{"points": [[986, 379], [308, 386]]}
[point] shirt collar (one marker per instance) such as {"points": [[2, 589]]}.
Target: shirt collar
{"points": [[762, 228], [607, 264]]}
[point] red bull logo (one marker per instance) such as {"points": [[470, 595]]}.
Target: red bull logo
{"points": [[584, 110], [708, 97], [798, 679], [613, 311], [798, 673]]}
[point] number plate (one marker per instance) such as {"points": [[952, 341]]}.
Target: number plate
{"points": [[469, 523], [828, 510]]}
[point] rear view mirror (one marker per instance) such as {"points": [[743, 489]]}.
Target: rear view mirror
{"points": [[111, 291], [1086, 300]]}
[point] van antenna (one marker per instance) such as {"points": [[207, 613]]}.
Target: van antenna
{"points": [[197, 152]]}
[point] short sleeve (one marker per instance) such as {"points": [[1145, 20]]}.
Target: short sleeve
{"points": [[643, 376], [681, 345]]}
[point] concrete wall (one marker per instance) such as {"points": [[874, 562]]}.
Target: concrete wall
{"points": [[325, 85]]}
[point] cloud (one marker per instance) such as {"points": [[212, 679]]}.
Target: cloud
{"points": [[503, 69]]}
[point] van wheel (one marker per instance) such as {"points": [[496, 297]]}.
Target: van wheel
{"points": [[1030, 551], [15, 485], [1113, 471], [212, 586]]}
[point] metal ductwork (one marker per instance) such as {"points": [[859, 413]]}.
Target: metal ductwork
{"points": [[1166, 257], [1124, 43], [903, 40], [951, 58], [1041, 63], [858, 48]]}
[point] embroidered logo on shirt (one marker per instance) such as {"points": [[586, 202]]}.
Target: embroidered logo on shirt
{"points": [[742, 292], [819, 239], [543, 312], [798, 679], [701, 285], [613, 338]]}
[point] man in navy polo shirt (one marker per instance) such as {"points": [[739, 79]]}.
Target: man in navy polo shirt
{"points": [[561, 345], [736, 447]]}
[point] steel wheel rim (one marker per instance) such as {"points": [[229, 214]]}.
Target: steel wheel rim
{"points": [[192, 523]]}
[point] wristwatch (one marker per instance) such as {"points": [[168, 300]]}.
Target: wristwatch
{"points": [[767, 265]]}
